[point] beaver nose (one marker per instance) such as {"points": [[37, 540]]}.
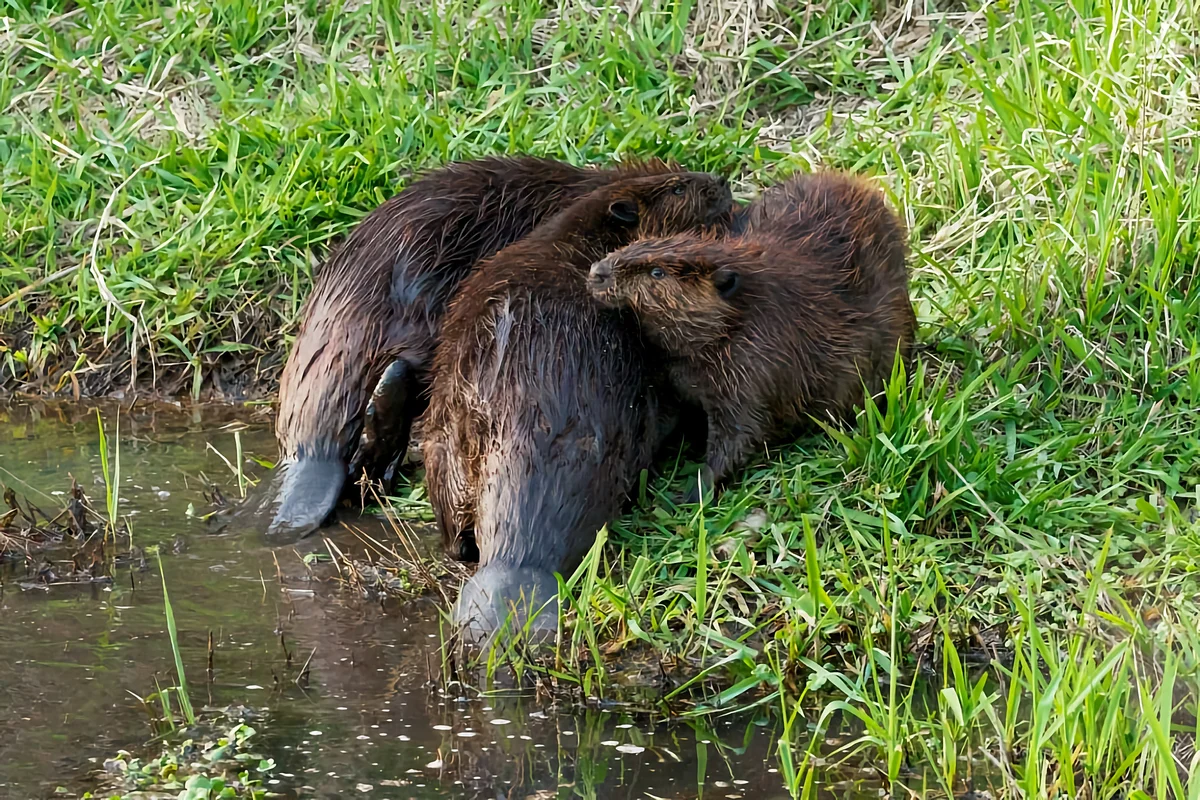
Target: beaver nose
{"points": [[601, 273]]}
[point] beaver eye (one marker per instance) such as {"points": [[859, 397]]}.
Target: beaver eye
{"points": [[658, 273], [678, 189]]}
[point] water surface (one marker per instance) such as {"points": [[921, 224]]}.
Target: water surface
{"points": [[368, 721]]}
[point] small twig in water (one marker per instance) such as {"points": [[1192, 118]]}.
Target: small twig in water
{"points": [[303, 676]]}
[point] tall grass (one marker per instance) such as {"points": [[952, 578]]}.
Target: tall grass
{"points": [[988, 583]]}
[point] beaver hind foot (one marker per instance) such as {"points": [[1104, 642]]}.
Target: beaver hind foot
{"points": [[521, 599], [387, 424]]}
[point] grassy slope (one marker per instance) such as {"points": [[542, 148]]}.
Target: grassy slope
{"points": [[1030, 494]]}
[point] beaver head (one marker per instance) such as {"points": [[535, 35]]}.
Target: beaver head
{"points": [[637, 207], [660, 205], [683, 289]]}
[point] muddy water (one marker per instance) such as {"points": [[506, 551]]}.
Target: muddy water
{"points": [[365, 723]]}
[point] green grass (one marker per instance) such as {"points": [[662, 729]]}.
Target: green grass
{"points": [[181, 689], [1029, 497], [112, 478]]}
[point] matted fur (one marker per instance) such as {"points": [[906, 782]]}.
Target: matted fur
{"points": [[382, 295]]}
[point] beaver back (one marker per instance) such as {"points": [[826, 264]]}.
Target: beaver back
{"points": [[381, 296]]}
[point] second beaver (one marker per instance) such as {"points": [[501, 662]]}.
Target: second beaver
{"points": [[790, 319], [542, 411]]}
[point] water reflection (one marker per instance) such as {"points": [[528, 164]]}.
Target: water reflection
{"points": [[366, 720]]}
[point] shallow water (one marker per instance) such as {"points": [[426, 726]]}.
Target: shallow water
{"points": [[72, 657]]}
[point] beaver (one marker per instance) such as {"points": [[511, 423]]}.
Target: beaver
{"points": [[789, 320], [542, 411], [357, 374]]}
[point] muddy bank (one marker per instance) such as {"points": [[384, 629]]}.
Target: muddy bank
{"points": [[100, 371]]}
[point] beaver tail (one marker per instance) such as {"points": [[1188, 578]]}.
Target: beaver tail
{"points": [[540, 505], [572, 420], [307, 489], [502, 597]]}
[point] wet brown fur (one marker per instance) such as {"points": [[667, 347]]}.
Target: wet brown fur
{"points": [[382, 295], [542, 411], [789, 319]]}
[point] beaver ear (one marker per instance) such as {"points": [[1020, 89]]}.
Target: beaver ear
{"points": [[727, 282], [624, 210]]}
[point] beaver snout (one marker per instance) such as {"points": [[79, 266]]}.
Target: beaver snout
{"points": [[601, 275]]}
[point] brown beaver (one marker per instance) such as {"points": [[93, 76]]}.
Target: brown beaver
{"points": [[357, 373], [789, 319], [542, 411]]}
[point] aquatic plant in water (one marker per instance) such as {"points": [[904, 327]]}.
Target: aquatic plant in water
{"points": [[224, 767], [185, 703]]}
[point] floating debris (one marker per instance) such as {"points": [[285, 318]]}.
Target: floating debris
{"points": [[26, 531]]}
